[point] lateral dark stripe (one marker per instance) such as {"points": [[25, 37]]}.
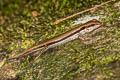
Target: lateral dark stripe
{"points": [[70, 34], [66, 36]]}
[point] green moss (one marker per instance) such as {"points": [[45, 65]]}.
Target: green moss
{"points": [[74, 60]]}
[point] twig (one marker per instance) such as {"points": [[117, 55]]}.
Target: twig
{"points": [[81, 12]]}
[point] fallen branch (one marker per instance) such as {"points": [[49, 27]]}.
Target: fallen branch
{"points": [[90, 9]]}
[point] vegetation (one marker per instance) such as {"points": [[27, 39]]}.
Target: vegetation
{"points": [[25, 23]]}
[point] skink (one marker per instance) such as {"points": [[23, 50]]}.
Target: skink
{"points": [[80, 30]]}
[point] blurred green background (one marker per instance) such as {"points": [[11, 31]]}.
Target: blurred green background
{"points": [[25, 23]]}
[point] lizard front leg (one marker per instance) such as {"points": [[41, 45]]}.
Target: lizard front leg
{"points": [[88, 39]]}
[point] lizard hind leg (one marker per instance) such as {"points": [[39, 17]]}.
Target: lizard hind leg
{"points": [[42, 51]]}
